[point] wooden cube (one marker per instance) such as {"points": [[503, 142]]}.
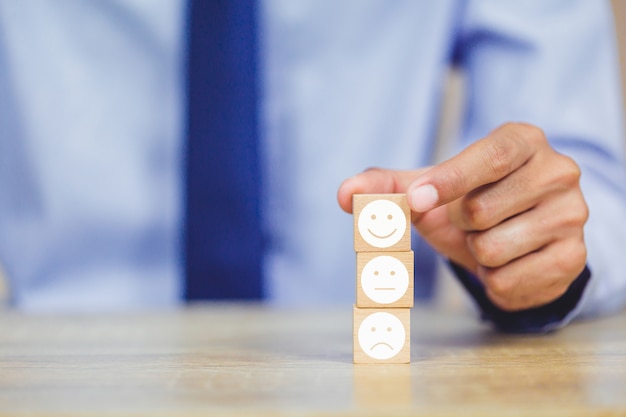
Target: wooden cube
{"points": [[382, 222], [384, 279], [382, 335]]}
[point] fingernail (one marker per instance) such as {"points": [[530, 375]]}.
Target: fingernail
{"points": [[424, 198]]}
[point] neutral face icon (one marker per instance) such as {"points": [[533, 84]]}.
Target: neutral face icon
{"points": [[381, 335], [382, 223], [384, 279]]}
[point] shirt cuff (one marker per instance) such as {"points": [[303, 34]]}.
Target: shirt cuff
{"points": [[533, 320]]}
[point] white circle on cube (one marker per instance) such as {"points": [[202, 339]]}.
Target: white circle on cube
{"points": [[382, 223], [384, 279], [381, 335]]}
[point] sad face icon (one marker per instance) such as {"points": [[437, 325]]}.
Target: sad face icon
{"points": [[381, 335]]}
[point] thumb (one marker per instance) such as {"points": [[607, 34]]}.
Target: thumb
{"points": [[486, 161]]}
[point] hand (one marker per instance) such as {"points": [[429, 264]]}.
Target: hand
{"points": [[508, 208]]}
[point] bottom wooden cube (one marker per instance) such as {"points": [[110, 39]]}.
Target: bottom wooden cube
{"points": [[382, 335]]}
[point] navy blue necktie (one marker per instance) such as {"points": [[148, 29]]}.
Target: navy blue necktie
{"points": [[223, 239]]}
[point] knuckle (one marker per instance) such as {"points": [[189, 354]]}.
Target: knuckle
{"points": [[579, 214], [503, 304], [570, 260], [513, 305], [569, 171], [574, 218], [515, 139], [485, 250], [545, 296], [523, 133], [580, 257], [584, 213], [499, 285], [532, 133], [499, 157], [476, 212], [454, 181], [555, 292]]}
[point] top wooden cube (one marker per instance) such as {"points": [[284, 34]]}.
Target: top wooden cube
{"points": [[382, 223]]}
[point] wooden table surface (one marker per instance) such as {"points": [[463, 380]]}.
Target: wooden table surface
{"points": [[252, 360]]}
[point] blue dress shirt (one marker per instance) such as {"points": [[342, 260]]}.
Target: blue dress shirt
{"points": [[91, 131]]}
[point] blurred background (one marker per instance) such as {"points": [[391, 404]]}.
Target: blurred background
{"points": [[449, 293], [619, 10]]}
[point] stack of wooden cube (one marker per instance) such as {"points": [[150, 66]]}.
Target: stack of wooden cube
{"points": [[384, 281]]}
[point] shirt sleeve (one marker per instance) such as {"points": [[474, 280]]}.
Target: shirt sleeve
{"points": [[554, 64], [540, 319]]}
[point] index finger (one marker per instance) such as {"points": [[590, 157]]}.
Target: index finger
{"points": [[485, 161], [375, 181]]}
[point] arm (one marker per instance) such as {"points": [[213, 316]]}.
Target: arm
{"points": [[510, 209], [554, 64]]}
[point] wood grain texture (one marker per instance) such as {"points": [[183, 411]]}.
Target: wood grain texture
{"points": [[406, 259], [360, 201], [249, 360]]}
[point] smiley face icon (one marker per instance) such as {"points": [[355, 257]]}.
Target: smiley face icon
{"points": [[381, 335], [382, 223], [384, 279]]}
